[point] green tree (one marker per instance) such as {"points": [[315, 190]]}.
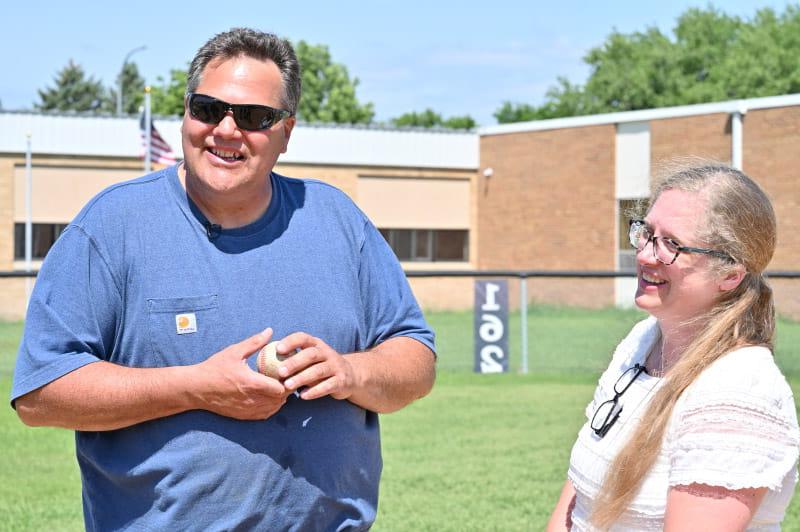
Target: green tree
{"points": [[329, 95], [515, 112], [711, 57], [429, 118], [133, 91], [73, 91], [565, 99], [460, 122], [166, 98]]}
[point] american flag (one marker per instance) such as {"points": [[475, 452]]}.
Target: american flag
{"points": [[160, 152]]}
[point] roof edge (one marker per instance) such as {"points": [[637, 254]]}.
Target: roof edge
{"points": [[730, 106]]}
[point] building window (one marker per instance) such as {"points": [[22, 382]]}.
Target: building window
{"points": [[452, 245], [428, 245], [626, 255], [44, 236]]}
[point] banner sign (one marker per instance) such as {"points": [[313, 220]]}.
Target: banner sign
{"points": [[491, 326]]}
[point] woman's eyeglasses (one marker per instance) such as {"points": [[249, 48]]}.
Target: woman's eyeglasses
{"points": [[665, 250], [608, 412], [250, 117]]}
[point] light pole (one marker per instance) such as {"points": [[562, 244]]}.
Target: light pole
{"points": [[121, 72]]}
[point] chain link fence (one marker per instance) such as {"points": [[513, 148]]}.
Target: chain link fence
{"points": [[544, 337], [547, 337]]}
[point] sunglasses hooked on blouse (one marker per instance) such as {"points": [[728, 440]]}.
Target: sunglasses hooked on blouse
{"points": [[608, 412], [250, 117]]}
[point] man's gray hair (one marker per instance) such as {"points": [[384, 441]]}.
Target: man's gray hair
{"points": [[258, 45]]}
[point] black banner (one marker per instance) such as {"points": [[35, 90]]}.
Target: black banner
{"points": [[491, 326]]}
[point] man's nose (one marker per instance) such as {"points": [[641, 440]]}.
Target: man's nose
{"points": [[227, 126]]}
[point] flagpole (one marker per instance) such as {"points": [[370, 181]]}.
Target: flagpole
{"points": [[28, 207], [28, 218], [147, 128]]}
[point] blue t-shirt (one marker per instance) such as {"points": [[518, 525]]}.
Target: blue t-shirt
{"points": [[114, 287]]}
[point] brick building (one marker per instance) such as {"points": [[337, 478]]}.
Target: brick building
{"points": [[543, 195], [416, 185], [556, 189]]}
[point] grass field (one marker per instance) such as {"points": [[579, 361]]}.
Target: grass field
{"points": [[482, 452]]}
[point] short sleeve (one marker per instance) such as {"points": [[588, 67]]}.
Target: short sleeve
{"points": [[736, 426], [390, 308], [72, 313]]}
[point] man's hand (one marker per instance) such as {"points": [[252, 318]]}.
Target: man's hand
{"points": [[228, 387], [382, 379], [317, 367]]}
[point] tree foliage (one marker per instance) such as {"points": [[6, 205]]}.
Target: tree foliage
{"points": [[73, 91], [460, 122], [133, 91], [429, 118], [166, 97], [711, 57], [329, 95]]}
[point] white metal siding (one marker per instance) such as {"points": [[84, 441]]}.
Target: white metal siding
{"points": [[310, 144]]}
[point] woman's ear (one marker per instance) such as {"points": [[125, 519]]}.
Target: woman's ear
{"points": [[732, 278]]}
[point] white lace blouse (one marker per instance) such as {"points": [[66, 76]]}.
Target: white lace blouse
{"points": [[734, 427]]}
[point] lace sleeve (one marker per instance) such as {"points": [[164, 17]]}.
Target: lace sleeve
{"points": [[736, 426]]}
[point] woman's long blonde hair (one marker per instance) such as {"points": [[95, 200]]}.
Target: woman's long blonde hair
{"points": [[740, 221]]}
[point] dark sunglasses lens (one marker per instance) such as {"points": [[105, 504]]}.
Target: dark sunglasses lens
{"points": [[605, 417], [255, 117], [627, 378], [248, 117], [601, 416], [206, 109]]}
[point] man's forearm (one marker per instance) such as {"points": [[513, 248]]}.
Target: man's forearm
{"points": [[392, 375], [105, 396]]}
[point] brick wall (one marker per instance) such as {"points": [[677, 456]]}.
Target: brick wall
{"points": [[550, 205], [346, 177], [703, 136], [14, 297], [7, 165], [771, 156]]}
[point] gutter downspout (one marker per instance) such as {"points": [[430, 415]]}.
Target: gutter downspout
{"points": [[736, 137]]}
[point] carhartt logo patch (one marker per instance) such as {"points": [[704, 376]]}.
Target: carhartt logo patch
{"points": [[186, 323]]}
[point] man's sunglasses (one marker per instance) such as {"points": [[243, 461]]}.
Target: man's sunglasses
{"points": [[249, 117]]}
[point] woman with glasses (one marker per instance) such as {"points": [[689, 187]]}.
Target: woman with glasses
{"points": [[692, 426]]}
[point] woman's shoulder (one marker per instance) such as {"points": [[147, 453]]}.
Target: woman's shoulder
{"points": [[736, 426], [636, 344], [749, 370], [743, 384], [633, 349]]}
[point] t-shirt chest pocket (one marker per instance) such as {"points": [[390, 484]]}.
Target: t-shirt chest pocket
{"points": [[183, 330]]}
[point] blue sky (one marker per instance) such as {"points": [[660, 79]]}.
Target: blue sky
{"points": [[454, 57]]}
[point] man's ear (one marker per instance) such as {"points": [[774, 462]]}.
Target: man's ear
{"points": [[732, 278], [288, 126]]}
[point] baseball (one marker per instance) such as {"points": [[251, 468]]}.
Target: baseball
{"points": [[268, 360]]}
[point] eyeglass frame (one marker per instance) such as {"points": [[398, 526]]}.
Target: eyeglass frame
{"points": [[233, 108], [603, 429], [678, 248]]}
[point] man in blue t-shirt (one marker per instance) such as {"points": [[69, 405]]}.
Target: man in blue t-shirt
{"points": [[147, 311]]}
